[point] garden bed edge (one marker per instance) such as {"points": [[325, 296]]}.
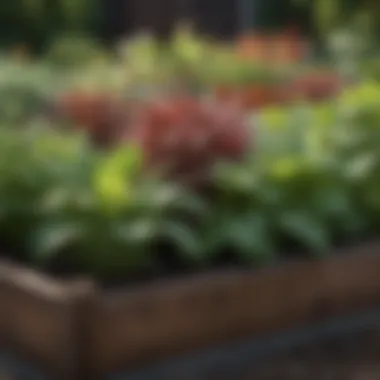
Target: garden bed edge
{"points": [[77, 330]]}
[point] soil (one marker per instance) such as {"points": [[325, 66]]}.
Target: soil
{"points": [[355, 357]]}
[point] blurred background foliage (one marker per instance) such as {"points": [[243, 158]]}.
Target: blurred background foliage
{"points": [[37, 23], [319, 17], [363, 15]]}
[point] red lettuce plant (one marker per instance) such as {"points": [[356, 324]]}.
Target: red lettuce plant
{"points": [[101, 115], [185, 136], [317, 86]]}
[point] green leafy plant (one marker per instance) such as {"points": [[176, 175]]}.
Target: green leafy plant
{"points": [[73, 50], [303, 177], [332, 14], [25, 90], [62, 199], [311, 183]]}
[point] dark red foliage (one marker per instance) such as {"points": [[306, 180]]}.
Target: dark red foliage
{"points": [[187, 136], [317, 86], [101, 115]]}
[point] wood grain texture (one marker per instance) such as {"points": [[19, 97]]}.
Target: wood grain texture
{"points": [[84, 332]]}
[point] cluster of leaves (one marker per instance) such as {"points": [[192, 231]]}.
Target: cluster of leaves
{"points": [[194, 61], [103, 116], [60, 198], [180, 136], [311, 182], [185, 136], [67, 51], [306, 178], [146, 68], [25, 90], [355, 14], [254, 71]]}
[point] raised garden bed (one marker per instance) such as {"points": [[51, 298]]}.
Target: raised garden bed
{"points": [[175, 200], [76, 329]]}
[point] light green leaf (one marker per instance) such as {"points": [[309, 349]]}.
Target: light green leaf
{"points": [[59, 199], [128, 159], [286, 168], [162, 196], [362, 167], [114, 176], [139, 231]]}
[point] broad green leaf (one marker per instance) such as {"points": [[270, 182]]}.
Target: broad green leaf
{"points": [[51, 238], [139, 231], [185, 238], [354, 224], [128, 159], [333, 201], [250, 235], [306, 229], [214, 237], [362, 167], [114, 176], [161, 196]]}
